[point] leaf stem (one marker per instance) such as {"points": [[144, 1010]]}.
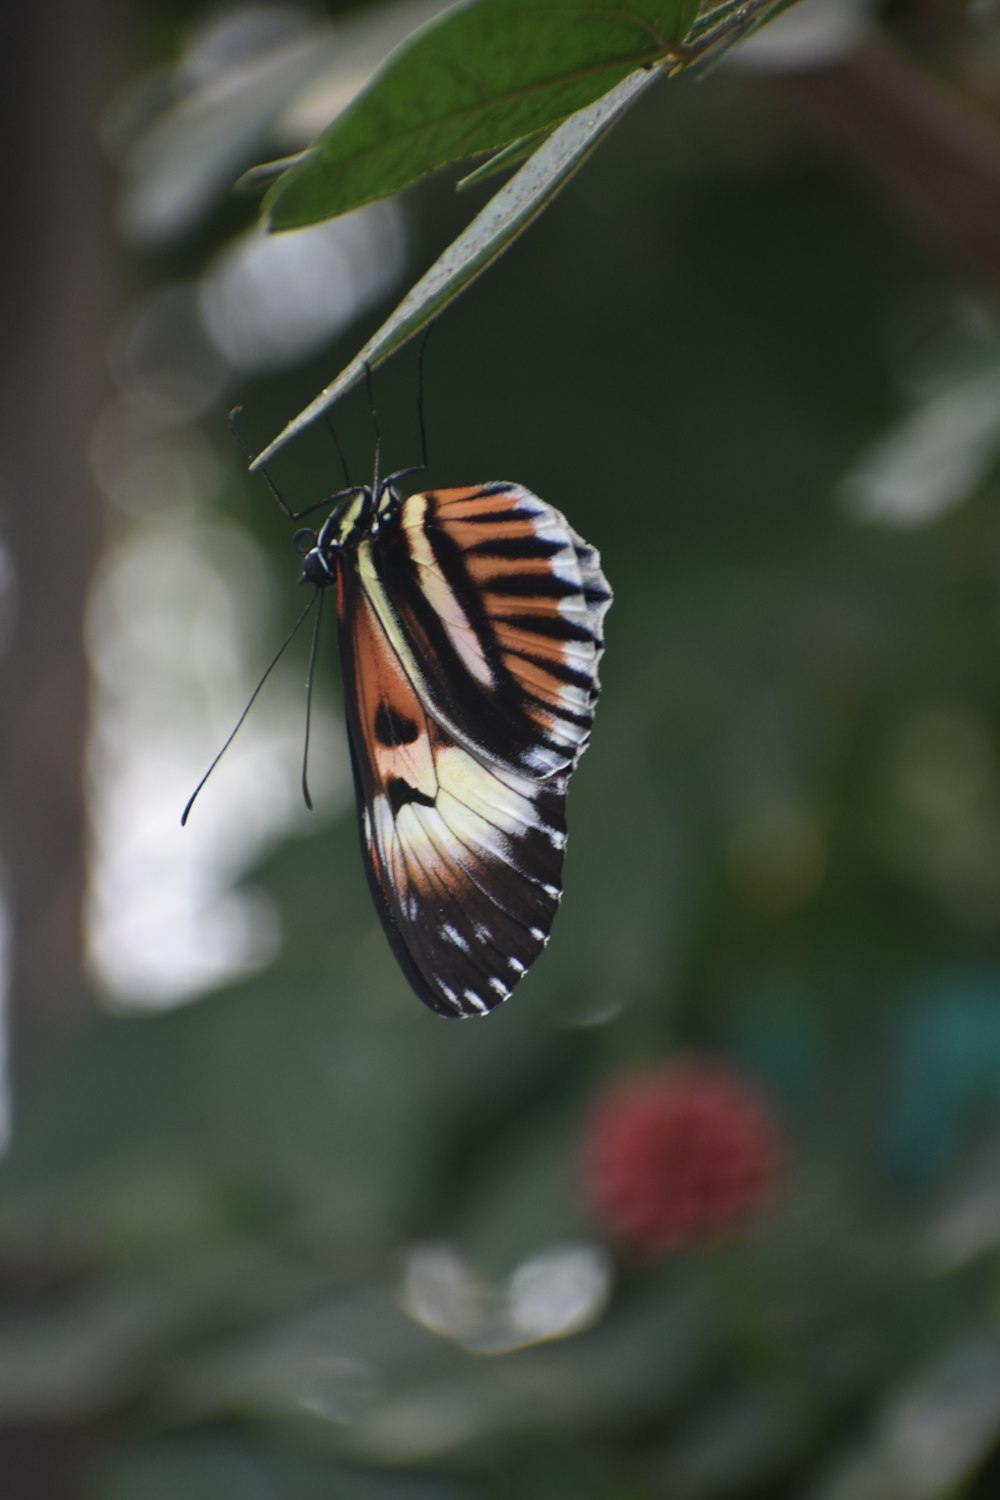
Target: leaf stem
{"points": [[719, 25]]}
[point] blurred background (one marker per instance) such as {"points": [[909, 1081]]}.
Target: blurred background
{"points": [[712, 1207]]}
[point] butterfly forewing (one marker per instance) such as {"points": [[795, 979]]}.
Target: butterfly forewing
{"points": [[470, 632], [498, 606]]}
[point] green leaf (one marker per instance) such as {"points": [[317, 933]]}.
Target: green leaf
{"points": [[490, 232], [474, 81], [257, 179], [501, 161]]}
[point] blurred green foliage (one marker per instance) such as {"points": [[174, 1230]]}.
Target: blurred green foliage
{"points": [[784, 851]]}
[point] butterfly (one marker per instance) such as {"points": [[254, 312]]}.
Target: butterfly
{"points": [[470, 627]]}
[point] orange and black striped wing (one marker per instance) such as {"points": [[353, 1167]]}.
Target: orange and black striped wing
{"points": [[495, 606], [464, 856]]}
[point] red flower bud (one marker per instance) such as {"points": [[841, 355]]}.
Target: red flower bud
{"points": [[679, 1154]]}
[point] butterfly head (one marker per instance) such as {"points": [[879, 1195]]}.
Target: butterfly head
{"points": [[350, 520]]}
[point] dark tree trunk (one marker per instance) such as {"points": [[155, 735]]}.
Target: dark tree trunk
{"points": [[56, 265]]}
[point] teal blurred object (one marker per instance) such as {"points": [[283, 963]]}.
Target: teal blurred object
{"points": [[943, 1082]]}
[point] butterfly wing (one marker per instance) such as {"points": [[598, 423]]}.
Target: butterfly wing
{"points": [[464, 858], [470, 633], [496, 605]]}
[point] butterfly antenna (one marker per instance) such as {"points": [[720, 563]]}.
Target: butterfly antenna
{"points": [[420, 397], [378, 434], [309, 699], [340, 452], [393, 479], [253, 698], [234, 418], [293, 515]]}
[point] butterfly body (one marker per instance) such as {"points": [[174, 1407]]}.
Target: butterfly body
{"points": [[470, 630]]}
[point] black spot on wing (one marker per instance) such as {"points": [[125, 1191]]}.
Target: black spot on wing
{"points": [[394, 728], [400, 793]]}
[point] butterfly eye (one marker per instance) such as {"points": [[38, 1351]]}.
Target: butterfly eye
{"points": [[304, 540]]}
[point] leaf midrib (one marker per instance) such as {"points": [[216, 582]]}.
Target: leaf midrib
{"points": [[497, 101]]}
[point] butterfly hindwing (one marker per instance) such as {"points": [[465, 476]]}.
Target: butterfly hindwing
{"points": [[464, 858]]}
